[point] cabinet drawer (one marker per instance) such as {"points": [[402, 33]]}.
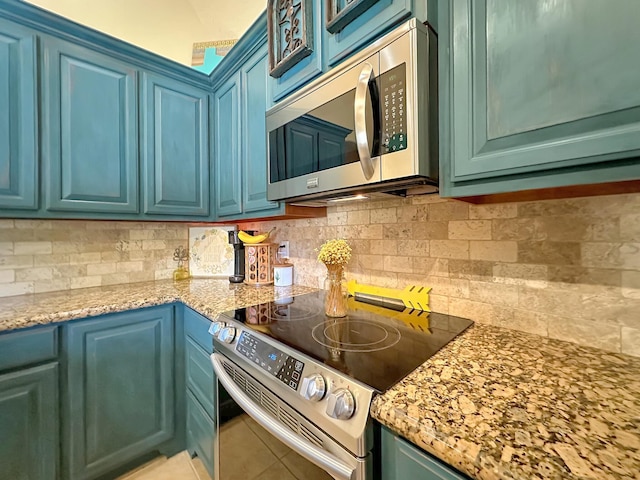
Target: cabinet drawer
{"points": [[200, 433], [25, 347], [200, 375], [197, 327]]}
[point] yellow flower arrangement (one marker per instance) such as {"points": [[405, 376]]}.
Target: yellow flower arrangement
{"points": [[335, 252]]}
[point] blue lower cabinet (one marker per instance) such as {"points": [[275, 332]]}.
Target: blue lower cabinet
{"points": [[90, 134], [200, 433], [18, 118], [200, 391], [29, 428], [400, 460], [175, 147], [120, 390], [199, 376]]}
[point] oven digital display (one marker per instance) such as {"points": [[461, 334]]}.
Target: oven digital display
{"points": [[282, 366]]}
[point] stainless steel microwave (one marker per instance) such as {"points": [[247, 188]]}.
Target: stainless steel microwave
{"points": [[367, 126]]}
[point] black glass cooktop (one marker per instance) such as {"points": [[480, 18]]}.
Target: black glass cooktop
{"points": [[377, 346]]}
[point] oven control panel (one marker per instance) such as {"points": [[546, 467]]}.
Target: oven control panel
{"points": [[273, 361]]}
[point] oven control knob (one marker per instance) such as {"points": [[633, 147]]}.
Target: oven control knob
{"points": [[341, 404], [313, 387], [215, 328], [227, 334]]}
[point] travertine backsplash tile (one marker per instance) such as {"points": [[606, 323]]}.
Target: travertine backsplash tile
{"points": [[568, 269], [49, 255]]}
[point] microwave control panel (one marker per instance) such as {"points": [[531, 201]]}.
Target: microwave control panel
{"points": [[393, 105]]}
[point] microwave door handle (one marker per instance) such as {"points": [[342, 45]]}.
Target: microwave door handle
{"points": [[360, 120], [325, 460]]}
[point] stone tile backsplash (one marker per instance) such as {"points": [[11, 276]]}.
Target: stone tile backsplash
{"points": [[567, 269], [48, 255]]}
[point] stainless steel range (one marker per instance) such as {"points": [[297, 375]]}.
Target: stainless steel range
{"points": [[309, 379]]}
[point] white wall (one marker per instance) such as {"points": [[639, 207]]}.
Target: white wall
{"points": [[166, 27]]}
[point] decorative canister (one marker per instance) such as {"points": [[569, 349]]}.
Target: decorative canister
{"points": [[258, 265], [283, 275]]}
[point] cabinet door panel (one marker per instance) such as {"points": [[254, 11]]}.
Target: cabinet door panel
{"points": [[29, 424], [175, 151], [378, 18], [533, 89], [18, 141], [91, 147], [120, 389], [226, 144], [310, 66], [200, 375], [400, 459], [254, 141], [201, 433]]}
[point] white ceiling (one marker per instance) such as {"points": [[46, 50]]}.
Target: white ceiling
{"points": [[166, 27]]}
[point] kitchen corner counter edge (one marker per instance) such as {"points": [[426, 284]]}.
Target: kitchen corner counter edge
{"points": [[494, 403], [500, 404]]}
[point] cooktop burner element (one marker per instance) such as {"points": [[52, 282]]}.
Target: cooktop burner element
{"points": [[355, 335], [375, 346]]}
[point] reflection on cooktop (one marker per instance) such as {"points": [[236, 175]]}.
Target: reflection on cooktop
{"points": [[374, 345]]}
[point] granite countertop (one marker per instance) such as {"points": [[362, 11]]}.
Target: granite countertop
{"points": [[208, 296], [494, 403], [500, 404]]}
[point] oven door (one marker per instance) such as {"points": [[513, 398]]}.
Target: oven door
{"points": [[269, 439]]}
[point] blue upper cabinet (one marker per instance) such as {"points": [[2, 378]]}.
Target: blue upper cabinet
{"points": [[226, 147], [531, 98], [175, 147], [378, 18], [311, 65], [90, 136], [253, 77], [18, 119], [336, 38]]}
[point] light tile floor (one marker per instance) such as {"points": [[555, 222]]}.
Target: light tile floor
{"points": [[249, 453]]}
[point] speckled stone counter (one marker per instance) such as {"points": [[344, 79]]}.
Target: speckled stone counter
{"points": [[207, 296], [494, 403], [500, 404]]}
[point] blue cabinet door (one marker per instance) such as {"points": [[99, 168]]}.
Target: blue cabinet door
{"points": [[380, 17], [402, 460], [18, 140], [254, 137], [310, 66], [527, 90], [29, 424], [201, 433], [200, 391], [90, 135], [175, 147], [226, 146], [120, 389]]}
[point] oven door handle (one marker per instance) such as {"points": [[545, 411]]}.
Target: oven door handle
{"points": [[360, 120], [330, 463]]}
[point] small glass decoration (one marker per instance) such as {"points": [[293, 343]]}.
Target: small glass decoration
{"points": [[181, 255], [335, 254]]}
